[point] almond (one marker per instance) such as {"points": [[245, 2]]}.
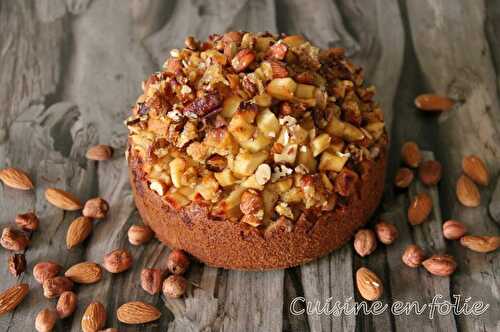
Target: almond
{"points": [[482, 244], [94, 317], [420, 208], [365, 242], [66, 304], [117, 261], [278, 69], [55, 286], [99, 152], [453, 230], [430, 172], [11, 297], [440, 265], [177, 262], [410, 152], [404, 177], [432, 102], [467, 192], [62, 199], [45, 320], [386, 233], [15, 178], [151, 280], [369, 284], [45, 270], [14, 240], [78, 231], [475, 168], [27, 221], [413, 256], [96, 208], [139, 234], [84, 273], [137, 312]]}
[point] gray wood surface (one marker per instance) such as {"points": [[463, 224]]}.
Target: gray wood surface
{"points": [[71, 69]]}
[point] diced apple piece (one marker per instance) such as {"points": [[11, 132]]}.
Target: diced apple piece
{"points": [[282, 88], [225, 178], [246, 162], [306, 158], [268, 123], [230, 106], [287, 156], [305, 91], [332, 162], [240, 129], [256, 144], [320, 143], [177, 168]]}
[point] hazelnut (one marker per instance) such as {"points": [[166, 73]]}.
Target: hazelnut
{"points": [[453, 230], [420, 208], [45, 270], [66, 304], [403, 178], [174, 286], [251, 202], [430, 172], [117, 261], [45, 320], [178, 262], [386, 233], [151, 280], [14, 240], [410, 152], [139, 234], [365, 242], [96, 208], [55, 286], [17, 264], [413, 255], [27, 221]]}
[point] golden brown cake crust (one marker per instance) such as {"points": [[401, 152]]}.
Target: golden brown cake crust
{"points": [[225, 244]]}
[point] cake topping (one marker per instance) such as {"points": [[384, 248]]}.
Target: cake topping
{"points": [[256, 126]]}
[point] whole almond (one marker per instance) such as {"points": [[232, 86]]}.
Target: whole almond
{"points": [[11, 297], [45, 320], [369, 284], [137, 312], [177, 261], [386, 233], [45, 270], [139, 234], [62, 199], [117, 261], [404, 177], [482, 244], [432, 102], [84, 273], [430, 172], [475, 168], [99, 152], [16, 264], [151, 280], [420, 208], [78, 231], [467, 192], [96, 208], [410, 152], [174, 286], [13, 240], [365, 242], [413, 256], [27, 221], [55, 286], [94, 317], [15, 178], [66, 304], [453, 230], [440, 265]]}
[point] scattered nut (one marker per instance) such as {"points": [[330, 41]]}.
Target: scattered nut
{"points": [[420, 208], [94, 317], [429, 172], [410, 152], [386, 233], [45, 270], [17, 264], [117, 261], [139, 234], [369, 284], [413, 256], [174, 286], [243, 59], [432, 102], [177, 262], [96, 208], [151, 280], [137, 312], [482, 244], [365, 242], [453, 230], [45, 320], [467, 192], [27, 221], [404, 177], [62, 199], [440, 265], [99, 152], [55, 286], [84, 273], [263, 174], [11, 297], [66, 304], [476, 169], [78, 231], [13, 240], [16, 178]]}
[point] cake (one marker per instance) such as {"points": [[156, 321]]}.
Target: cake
{"points": [[256, 151]]}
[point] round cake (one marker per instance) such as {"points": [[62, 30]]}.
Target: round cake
{"points": [[256, 151]]}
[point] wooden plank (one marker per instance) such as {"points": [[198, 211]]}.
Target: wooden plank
{"points": [[472, 127]]}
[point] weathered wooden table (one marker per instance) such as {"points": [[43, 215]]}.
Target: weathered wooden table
{"points": [[70, 70]]}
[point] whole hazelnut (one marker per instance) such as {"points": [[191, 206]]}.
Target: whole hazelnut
{"points": [[413, 256], [386, 233], [13, 240], [403, 178], [177, 262], [453, 230], [365, 242], [151, 280], [45, 270], [45, 320], [139, 234], [54, 287], [27, 221], [430, 172], [96, 208], [66, 304], [174, 286], [117, 261]]}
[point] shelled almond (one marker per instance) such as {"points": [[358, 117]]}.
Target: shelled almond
{"points": [[78, 231], [62, 199], [386, 233], [481, 244], [410, 152], [137, 312], [430, 172], [365, 242], [84, 273], [476, 169], [66, 304], [420, 208], [440, 265], [369, 284], [453, 230], [16, 178], [94, 317], [433, 103], [467, 192], [99, 152], [11, 297], [45, 320]]}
